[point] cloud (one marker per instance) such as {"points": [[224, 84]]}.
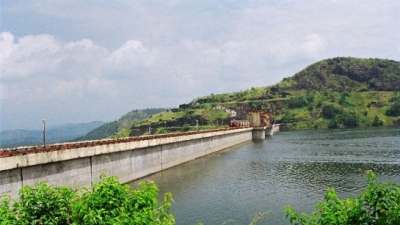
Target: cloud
{"points": [[30, 56], [72, 61]]}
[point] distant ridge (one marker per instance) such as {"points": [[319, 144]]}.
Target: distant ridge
{"points": [[60, 133], [121, 125]]}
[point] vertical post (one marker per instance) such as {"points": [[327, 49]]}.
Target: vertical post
{"points": [[44, 133], [149, 127], [197, 125]]}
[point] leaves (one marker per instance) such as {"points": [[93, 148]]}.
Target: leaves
{"points": [[378, 204], [108, 202]]}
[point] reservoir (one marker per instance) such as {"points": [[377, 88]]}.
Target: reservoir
{"points": [[291, 168]]}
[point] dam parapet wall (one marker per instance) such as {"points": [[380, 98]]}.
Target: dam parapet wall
{"points": [[129, 160]]}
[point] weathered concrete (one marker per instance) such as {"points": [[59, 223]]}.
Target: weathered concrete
{"points": [[258, 133], [127, 160], [271, 130]]}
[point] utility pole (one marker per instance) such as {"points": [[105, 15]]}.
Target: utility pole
{"points": [[149, 127], [44, 133]]}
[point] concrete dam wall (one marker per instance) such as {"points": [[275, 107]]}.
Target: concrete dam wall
{"points": [[127, 160]]}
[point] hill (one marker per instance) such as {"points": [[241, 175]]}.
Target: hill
{"points": [[332, 93], [348, 74], [62, 133], [120, 127]]}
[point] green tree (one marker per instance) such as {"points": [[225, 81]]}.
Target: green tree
{"points": [[377, 122], [394, 109], [298, 102], [349, 119], [330, 111]]}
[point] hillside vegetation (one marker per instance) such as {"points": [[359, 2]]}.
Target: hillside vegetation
{"points": [[121, 126], [332, 93]]}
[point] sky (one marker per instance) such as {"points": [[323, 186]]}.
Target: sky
{"points": [[74, 61]]}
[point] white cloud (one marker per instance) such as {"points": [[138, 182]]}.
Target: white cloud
{"points": [[106, 58], [30, 56]]}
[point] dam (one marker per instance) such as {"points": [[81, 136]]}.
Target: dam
{"points": [[82, 163]]}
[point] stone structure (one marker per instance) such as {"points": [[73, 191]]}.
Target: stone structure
{"points": [[129, 160]]}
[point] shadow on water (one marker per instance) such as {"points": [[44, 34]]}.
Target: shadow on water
{"points": [[292, 168]]}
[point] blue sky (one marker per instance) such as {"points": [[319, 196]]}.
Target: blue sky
{"points": [[72, 61]]}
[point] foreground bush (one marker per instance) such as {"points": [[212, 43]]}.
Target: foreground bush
{"points": [[378, 204], [108, 202]]}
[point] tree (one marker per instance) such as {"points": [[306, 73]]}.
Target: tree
{"points": [[298, 102], [330, 111], [377, 122], [394, 109]]}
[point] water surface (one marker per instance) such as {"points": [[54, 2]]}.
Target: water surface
{"points": [[291, 168]]}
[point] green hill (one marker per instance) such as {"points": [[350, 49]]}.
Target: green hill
{"points": [[340, 92], [348, 74], [120, 127], [332, 93]]}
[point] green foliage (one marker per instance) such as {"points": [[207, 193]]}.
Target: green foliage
{"points": [[42, 204], [119, 127], [394, 109], [338, 92], [330, 111], [349, 119], [334, 122], [377, 122], [343, 99], [378, 204], [348, 74], [185, 128], [298, 102], [6, 213], [107, 203], [288, 117]]}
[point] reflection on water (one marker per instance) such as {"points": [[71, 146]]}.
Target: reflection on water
{"points": [[292, 168]]}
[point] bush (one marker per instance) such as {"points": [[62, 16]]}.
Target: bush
{"points": [[43, 204], [108, 202], [330, 111], [349, 119], [394, 109], [378, 204], [298, 102], [377, 122]]}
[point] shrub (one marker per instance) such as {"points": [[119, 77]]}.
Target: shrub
{"points": [[298, 102], [349, 119], [378, 204], [108, 202], [377, 122], [43, 204], [330, 111], [394, 109]]}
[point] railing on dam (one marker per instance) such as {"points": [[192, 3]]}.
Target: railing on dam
{"points": [[9, 152]]}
